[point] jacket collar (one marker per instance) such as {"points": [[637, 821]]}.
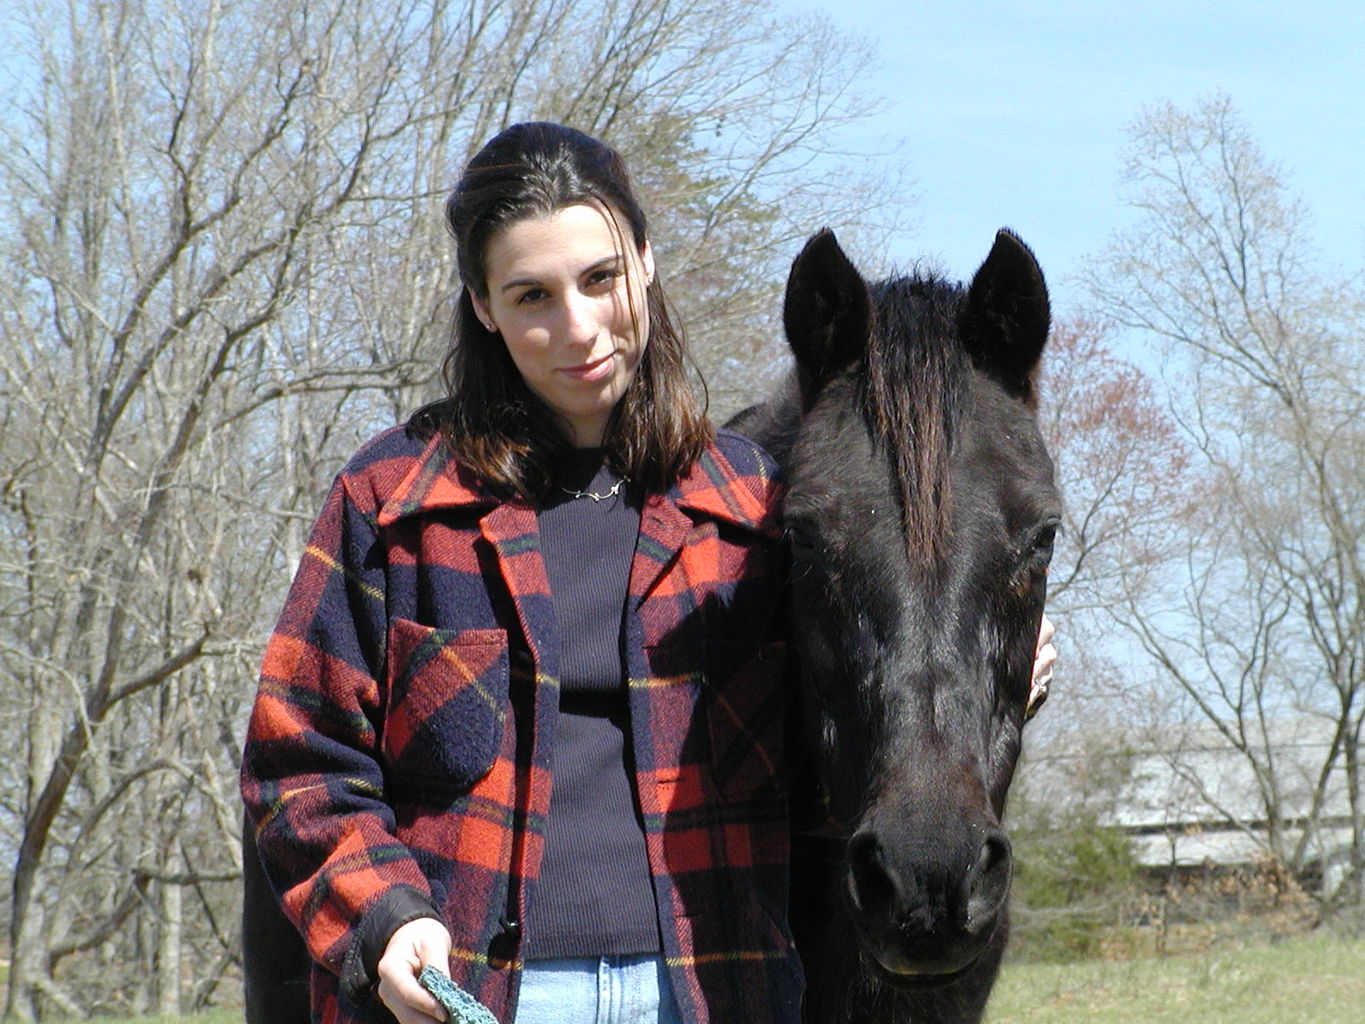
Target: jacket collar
{"points": [[711, 487], [435, 481]]}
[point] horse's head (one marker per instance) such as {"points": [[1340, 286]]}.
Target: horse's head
{"points": [[921, 511]]}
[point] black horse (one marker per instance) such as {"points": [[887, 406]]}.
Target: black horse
{"points": [[921, 512]]}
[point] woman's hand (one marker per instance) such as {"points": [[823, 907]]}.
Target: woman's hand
{"points": [[412, 947], [1044, 661]]}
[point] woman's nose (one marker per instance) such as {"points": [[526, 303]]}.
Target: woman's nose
{"points": [[580, 320]]}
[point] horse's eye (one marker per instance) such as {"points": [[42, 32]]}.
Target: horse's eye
{"points": [[800, 534], [1043, 542]]}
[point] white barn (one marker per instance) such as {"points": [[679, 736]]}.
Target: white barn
{"points": [[1189, 797]]}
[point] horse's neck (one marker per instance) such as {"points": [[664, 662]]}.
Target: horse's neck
{"points": [[773, 423]]}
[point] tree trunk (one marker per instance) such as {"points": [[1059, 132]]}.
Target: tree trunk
{"points": [[168, 977]]}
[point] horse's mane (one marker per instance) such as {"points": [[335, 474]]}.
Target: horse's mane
{"points": [[914, 391]]}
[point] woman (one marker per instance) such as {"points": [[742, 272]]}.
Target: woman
{"points": [[475, 618], [522, 716]]}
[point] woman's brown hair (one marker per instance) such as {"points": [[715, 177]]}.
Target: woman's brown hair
{"points": [[491, 419]]}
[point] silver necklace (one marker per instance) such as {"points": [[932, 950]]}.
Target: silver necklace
{"points": [[612, 492]]}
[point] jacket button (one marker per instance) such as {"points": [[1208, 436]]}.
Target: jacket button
{"points": [[510, 928]]}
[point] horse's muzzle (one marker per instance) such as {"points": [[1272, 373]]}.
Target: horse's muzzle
{"points": [[928, 913]]}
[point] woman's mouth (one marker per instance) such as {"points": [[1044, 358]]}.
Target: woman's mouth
{"points": [[591, 371]]}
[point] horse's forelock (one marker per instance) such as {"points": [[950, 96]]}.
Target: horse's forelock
{"points": [[915, 387]]}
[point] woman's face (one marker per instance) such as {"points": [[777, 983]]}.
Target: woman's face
{"points": [[567, 294]]}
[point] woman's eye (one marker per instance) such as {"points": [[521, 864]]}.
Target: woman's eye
{"points": [[531, 296], [603, 277]]}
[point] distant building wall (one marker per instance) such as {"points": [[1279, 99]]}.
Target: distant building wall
{"points": [[1189, 797]]}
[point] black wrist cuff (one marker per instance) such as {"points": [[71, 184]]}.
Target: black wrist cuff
{"points": [[360, 969]]}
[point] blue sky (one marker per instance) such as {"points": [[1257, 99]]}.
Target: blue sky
{"points": [[1014, 113]]}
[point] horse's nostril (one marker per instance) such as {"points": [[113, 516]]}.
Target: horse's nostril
{"points": [[988, 883], [871, 885]]}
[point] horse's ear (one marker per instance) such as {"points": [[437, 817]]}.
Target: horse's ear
{"points": [[827, 313], [1006, 316]]}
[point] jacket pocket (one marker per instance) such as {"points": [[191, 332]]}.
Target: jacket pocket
{"points": [[447, 703], [745, 698]]}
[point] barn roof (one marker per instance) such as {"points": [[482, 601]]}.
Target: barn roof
{"points": [[1188, 795]]}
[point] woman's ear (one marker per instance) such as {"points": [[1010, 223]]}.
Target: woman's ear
{"points": [[647, 258], [482, 312]]}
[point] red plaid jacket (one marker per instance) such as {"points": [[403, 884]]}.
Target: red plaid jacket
{"points": [[399, 752]]}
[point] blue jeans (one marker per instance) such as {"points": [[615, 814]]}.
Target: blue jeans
{"points": [[597, 990]]}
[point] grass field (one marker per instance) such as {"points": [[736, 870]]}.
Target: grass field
{"points": [[1301, 981]]}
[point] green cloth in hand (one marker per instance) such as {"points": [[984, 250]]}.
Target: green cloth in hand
{"points": [[460, 1006]]}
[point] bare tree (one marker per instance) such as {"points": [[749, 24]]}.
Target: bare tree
{"points": [[225, 264], [1261, 618], [1121, 458]]}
